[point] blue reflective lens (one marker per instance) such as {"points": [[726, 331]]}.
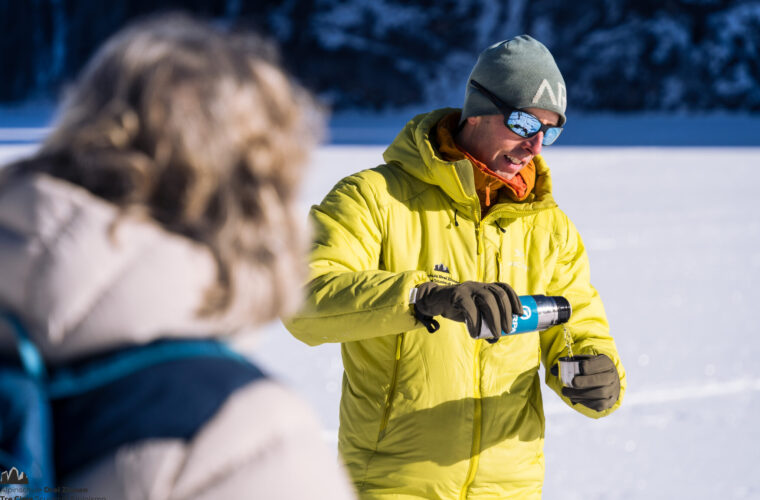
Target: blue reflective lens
{"points": [[523, 124], [550, 135]]}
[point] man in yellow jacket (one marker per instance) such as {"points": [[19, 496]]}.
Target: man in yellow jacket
{"points": [[457, 223]]}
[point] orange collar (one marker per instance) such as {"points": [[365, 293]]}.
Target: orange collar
{"points": [[486, 181]]}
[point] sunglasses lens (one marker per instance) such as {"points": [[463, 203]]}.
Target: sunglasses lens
{"points": [[551, 135], [523, 124]]}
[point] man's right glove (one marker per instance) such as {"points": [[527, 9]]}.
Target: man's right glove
{"points": [[470, 303]]}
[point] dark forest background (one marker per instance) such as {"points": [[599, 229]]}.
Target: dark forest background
{"points": [[616, 55]]}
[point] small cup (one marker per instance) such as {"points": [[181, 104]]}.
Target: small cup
{"points": [[569, 367]]}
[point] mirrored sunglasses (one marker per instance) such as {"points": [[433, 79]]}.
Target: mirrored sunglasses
{"points": [[520, 122]]}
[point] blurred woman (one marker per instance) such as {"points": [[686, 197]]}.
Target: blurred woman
{"points": [[158, 217]]}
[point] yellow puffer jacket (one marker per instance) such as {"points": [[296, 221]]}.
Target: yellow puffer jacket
{"points": [[442, 415]]}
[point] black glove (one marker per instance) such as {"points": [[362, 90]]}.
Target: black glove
{"points": [[598, 384], [470, 303]]}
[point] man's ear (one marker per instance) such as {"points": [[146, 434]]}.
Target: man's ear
{"points": [[464, 133]]}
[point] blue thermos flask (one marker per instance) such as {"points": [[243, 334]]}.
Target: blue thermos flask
{"points": [[539, 312]]}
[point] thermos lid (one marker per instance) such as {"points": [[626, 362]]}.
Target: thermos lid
{"points": [[563, 309]]}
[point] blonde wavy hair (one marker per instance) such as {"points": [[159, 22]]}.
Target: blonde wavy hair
{"points": [[200, 129]]}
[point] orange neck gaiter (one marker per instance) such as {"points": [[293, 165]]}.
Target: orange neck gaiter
{"points": [[488, 184]]}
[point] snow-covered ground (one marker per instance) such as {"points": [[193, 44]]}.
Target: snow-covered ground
{"points": [[673, 235]]}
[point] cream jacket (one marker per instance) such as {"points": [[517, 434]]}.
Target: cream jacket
{"points": [[82, 282]]}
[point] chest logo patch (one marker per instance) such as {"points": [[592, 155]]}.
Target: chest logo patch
{"points": [[442, 275]]}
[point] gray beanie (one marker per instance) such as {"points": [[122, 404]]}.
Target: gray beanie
{"points": [[522, 73]]}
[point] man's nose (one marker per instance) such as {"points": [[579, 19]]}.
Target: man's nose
{"points": [[535, 143]]}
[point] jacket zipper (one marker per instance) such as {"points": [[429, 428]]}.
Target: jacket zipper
{"points": [[477, 416], [478, 225], [498, 263], [391, 389]]}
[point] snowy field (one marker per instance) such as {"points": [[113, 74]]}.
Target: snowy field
{"points": [[673, 235]]}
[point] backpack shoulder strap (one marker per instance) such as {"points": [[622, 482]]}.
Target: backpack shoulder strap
{"points": [[30, 356]]}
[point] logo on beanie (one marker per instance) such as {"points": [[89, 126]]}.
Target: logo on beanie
{"points": [[559, 100]]}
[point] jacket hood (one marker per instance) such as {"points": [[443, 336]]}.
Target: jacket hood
{"points": [[84, 277], [414, 152]]}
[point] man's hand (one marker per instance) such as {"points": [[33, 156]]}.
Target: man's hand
{"points": [[598, 384], [470, 303]]}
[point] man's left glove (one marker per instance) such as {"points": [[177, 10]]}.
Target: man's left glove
{"points": [[597, 386]]}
